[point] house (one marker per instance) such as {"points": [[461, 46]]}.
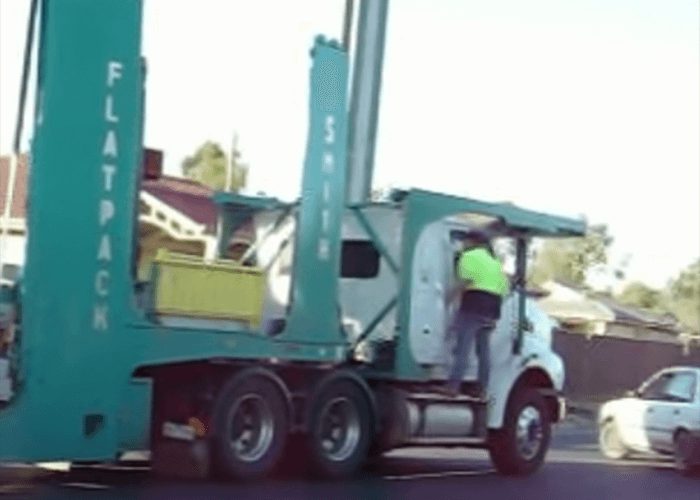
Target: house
{"points": [[579, 311], [180, 215], [174, 213], [574, 310], [635, 323], [13, 230]]}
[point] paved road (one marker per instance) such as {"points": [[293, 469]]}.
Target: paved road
{"points": [[574, 471]]}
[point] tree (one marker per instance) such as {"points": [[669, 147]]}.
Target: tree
{"points": [[684, 296], [570, 259], [638, 294], [210, 165]]}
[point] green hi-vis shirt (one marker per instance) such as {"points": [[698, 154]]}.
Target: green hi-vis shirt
{"points": [[484, 272]]}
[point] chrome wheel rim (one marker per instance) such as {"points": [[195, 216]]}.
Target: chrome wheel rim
{"points": [[251, 428], [529, 432], [339, 429]]}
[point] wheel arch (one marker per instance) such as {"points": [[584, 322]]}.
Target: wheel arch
{"points": [[535, 377], [604, 419], [263, 373], [679, 429]]}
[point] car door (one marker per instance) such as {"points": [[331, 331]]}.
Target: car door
{"points": [[674, 408], [634, 411]]}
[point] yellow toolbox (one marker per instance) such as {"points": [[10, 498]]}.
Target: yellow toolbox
{"points": [[186, 285]]}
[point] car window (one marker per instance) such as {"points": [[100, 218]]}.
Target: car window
{"points": [[680, 387], [654, 387]]}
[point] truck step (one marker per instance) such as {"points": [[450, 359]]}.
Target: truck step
{"points": [[433, 397], [448, 442]]}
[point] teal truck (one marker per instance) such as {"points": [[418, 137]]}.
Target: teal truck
{"points": [[327, 336]]}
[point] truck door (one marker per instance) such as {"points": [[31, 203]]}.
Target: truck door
{"points": [[429, 314]]}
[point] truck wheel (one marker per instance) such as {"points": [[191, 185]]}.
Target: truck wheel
{"points": [[250, 428], [340, 429], [610, 443], [684, 456], [519, 447]]}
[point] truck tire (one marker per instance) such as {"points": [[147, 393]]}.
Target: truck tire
{"points": [[340, 429], [519, 447], [686, 457], [250, 427], [609, 441]]}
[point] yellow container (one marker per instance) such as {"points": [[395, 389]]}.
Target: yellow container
{"points": [[188, 286]]}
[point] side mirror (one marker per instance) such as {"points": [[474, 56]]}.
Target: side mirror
{"points": [[632, 394]]}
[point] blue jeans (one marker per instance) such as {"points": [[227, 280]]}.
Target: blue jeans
{"points": [[470, 326]]}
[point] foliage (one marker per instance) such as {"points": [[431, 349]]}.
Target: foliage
{"points": [[569, 260], [638, 294], [209, 165], [683, 295]]}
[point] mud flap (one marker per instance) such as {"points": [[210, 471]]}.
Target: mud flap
{"points": [[181, 459]]}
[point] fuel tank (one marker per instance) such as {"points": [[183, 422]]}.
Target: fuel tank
{"points": [[414, 417]]}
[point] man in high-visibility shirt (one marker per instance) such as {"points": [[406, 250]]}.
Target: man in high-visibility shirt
{"points": [[482, 286]]}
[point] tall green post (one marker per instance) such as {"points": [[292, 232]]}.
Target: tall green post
{"points": [[77, 291]]}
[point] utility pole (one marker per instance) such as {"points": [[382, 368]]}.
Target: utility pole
{"points": [[231, 163], [364, 101]]}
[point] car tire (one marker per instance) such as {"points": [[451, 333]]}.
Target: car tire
{"points": [[610, 442], [686, 456], [250, 428], [519, 447], [340, 429]]}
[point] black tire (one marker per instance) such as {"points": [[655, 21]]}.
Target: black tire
{"points": [[250, 427], [610, 443], [686, 453], [340, 429], [376, 451], [512, 455]]}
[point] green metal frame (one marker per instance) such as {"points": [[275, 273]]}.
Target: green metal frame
{"points": [[82, 334], [235, 209], [367, 226], [378, 243], [422, 208]]}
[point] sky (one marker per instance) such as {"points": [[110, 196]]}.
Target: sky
{"points": [[576, 107]]}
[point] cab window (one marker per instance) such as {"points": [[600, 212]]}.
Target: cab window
{"points": [[359, 259]]}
